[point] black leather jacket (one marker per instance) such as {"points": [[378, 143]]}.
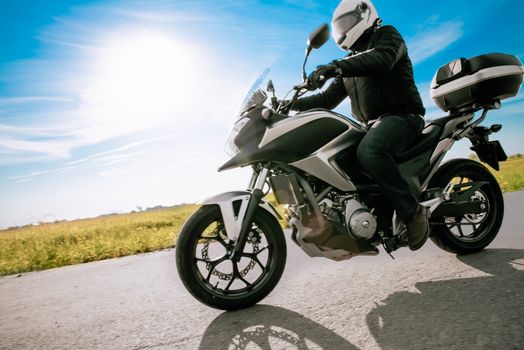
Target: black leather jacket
{"points": [[377, 76]]}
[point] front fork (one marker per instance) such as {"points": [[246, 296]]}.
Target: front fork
{"points": [[256, 194]]}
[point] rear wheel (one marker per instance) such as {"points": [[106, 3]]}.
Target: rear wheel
{"points": [[210, 275], [468, 233]]}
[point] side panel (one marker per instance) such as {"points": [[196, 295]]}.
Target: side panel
{"points": [[415, 170], [347, 162], [323, 165]]}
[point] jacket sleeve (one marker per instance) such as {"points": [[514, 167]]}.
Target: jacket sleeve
{"points": [[382, 57], [328, 99]]}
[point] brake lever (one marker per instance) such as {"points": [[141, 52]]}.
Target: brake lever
{"points": [[301, 86]]}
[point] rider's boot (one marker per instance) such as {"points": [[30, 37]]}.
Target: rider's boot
{"points": [[418, 228]]}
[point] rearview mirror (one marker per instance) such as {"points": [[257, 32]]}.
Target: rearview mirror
{"points": [[270, 87], [318, 37]]}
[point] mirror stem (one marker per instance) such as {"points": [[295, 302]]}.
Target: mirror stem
{"points": [[308, 51]]}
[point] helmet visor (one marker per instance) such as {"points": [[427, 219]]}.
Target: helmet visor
{"points": [[347, 21]]}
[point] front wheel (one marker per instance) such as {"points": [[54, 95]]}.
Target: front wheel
{"points": [[210, 275], [468, 233]]}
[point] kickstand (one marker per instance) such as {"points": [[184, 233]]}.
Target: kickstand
{"points": [[388, 251]]}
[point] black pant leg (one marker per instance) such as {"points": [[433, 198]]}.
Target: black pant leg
{"points": [[376, 153]]}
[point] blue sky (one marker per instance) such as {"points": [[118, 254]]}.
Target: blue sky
{"points": [[110, 105]]}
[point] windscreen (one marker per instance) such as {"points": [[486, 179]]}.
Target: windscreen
{"points": [[255, 94]]}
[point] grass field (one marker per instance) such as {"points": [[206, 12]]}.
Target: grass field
{"points": [[511, 174], [58, 244]]}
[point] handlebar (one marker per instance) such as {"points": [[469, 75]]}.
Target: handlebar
{"points": [[310, 87], [306, 86]]}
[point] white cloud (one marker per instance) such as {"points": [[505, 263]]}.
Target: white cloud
{"points": [[72, 168], [31, 99], [27, 144], [52, 149], [120, 149], [103, 159], [159, 162], [32, 132], [433, 39]]}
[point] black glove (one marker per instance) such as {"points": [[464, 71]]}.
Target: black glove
{"points": [[322, 74]]}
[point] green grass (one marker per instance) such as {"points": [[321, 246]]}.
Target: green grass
{"points": [[58, 244], [46, 246], [511, 174]]}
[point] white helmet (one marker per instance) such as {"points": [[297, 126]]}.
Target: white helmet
{"points": [[350, 20]]}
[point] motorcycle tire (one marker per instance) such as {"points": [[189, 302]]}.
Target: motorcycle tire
{"points": [[468, 233], [204, 266]]}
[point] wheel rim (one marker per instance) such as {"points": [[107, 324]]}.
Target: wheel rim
{"points": [[471, 228], [218, 274]]}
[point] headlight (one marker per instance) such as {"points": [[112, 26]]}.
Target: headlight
{"points": [[231, 147]]}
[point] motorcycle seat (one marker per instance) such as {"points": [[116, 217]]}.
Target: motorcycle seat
{"points": [[440, 121]]}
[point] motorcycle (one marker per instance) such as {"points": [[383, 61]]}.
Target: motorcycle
{"points": [[231, 252]]}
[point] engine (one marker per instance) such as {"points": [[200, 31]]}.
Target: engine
{"points": [[353, 214], [360, 222]]}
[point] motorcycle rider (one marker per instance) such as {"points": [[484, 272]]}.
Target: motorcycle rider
{"points": [[377, 75]]}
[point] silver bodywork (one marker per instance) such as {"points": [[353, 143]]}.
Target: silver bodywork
{"points": [[320, 164], [225, 203]]}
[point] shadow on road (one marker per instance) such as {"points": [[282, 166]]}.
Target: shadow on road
{"points": [[269, 327], [470, 313]]}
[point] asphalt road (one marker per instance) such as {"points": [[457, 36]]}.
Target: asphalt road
{"points": [[427, 299]]}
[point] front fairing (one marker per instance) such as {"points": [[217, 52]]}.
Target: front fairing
{"points": [[254, 99], [248, 138], [288, 139]]}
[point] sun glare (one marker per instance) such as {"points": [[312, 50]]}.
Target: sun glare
{"points": [[138, 81]]}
